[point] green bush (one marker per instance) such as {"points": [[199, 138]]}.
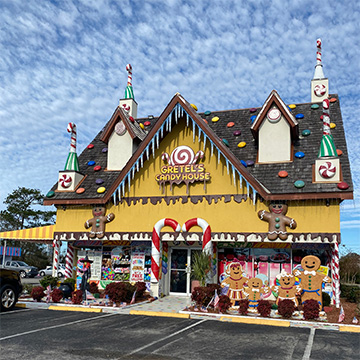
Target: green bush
{"points": [[350, 292], [70, 281], [27, 288], [49, 280]]}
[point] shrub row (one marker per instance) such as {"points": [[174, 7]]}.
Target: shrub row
{"points": [[350, 292]]}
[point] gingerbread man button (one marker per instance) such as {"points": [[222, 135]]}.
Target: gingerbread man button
{"points": [[97, 223], [277, 221]]}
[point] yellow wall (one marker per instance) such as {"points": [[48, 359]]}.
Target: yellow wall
{"points": [[310, 215]]}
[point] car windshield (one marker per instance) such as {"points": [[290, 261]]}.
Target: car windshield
{"points": [[21, 263]]}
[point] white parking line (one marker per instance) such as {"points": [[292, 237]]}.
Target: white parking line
{"points": [[14, 311], [56, 326], [167, 337], [309, 344]]}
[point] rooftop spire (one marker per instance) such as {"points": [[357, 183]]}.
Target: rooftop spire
{"points": [[72, 162], [129, 92], [327, 146], [319, 74]]}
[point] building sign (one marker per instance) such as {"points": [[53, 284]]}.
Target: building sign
{"points": [[137, 264], [182, 167]]}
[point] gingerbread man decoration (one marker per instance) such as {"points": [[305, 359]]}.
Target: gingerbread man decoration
{"points": [[287, 289], [277, 221], [253, 292], [235, 281], [311, 280], [97, 223]]}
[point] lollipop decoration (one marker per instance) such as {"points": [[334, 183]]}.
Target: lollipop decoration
{"points": [[72, 162]]}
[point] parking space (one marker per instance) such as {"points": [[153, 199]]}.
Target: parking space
{"points": [[44, 334]]}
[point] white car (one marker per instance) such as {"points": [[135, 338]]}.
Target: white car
{"points": [[48, 271]]}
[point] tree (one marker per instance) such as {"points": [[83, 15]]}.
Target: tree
{"points": [[23, 211], [350, 268]]}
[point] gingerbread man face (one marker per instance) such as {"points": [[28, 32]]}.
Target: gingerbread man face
{"points": [[310, 263], [234, 270], [255, 283], [98, 210], [287, 281], [278, 209]]}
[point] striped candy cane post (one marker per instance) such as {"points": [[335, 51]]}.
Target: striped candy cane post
{"points": [[72, 162], [69, 261], [198, 155], [155, 247], [206, 240], [129, 70], [335, 274], [326, 117], [318, 52], [56, 245]]}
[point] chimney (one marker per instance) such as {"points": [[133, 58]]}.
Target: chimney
{"points": [[319, 84], [128, 103]]}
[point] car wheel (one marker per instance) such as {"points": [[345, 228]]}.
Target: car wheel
{"points": [[22, 274], [42, 273], [60, 275], [8, 297]]}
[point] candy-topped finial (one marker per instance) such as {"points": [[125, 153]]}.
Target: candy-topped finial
{"points": [[72, 162], [319, 74], [129, 92]]}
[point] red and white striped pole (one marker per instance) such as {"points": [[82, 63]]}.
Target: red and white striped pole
{"points": [[318, 52], [69, 261], [326, 117], [335, 274], [56, 245], [155, 247], [71, 128], [129, 70]]}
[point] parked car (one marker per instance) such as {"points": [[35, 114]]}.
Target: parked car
{"points": [[22, 268], [48, 271], [10, 288]]}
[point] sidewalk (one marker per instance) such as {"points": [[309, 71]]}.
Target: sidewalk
{"points": [[173, 306]]}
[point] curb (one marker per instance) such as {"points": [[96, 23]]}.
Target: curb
{"points": [[257, 321], [349, 328], [159, 313], [75, 308]]}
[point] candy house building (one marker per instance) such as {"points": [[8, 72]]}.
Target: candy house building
{"points": [[263, 185]]}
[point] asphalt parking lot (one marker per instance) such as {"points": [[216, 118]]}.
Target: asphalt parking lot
{"points": [[46, 334]]}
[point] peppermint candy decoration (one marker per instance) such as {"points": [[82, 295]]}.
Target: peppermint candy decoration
{"points": [[120, 128], [182, 155], [320, 90], [65, 181], [327, 170]]}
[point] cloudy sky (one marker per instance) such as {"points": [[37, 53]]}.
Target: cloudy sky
{"points": [[65, 61]]}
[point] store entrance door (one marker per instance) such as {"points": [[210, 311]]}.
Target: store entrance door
{"points": [[180, 270]]}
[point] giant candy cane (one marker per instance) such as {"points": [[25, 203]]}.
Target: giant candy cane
{"points": [[318, 52], [335, 274], [155, 247], [206, 241], [69, 261]]}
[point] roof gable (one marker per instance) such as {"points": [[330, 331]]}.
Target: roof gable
{"points": [[274, 99], [131, 125]]}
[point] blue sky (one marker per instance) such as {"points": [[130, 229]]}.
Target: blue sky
{"points": [[65, 61]]}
